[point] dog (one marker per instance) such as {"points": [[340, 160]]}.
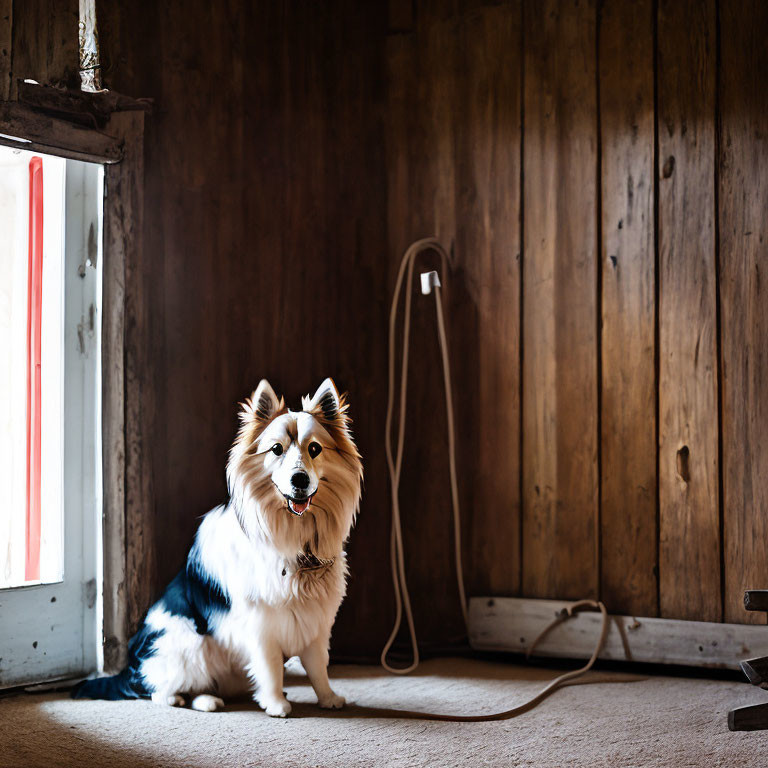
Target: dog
{"points": [[267, 572]]}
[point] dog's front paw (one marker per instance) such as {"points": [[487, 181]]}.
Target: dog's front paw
{"points": [[332, 702], [174, 700], [279, 708]]}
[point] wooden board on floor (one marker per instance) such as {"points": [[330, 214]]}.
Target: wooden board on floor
{"points": [[512, 624], [743, 212], [688, 429], [560, 482], [628, 394]]}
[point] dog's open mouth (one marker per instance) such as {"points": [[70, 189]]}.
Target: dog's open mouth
{"points": [[299, 506]]}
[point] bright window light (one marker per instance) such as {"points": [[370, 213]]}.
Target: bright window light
{"points": [[31, 374]]}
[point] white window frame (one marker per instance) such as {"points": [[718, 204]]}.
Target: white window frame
{"points": [[50, 631]]}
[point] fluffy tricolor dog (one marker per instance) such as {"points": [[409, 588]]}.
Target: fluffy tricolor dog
{"points": [[266, 573]]}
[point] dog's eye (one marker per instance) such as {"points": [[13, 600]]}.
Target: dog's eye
{"points": [[314, 449], [277, 449]]}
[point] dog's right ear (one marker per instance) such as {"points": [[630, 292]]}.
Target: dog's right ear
{"points": [[262, 406]]}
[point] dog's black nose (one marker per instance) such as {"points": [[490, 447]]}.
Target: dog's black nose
{"points": [[300, 480]]}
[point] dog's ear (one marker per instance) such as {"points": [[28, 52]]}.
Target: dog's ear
{"points": [[262, 405], [331, 409], [326, 402]]}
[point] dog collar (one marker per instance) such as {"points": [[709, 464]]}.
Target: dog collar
{"points": [[309, 561]]}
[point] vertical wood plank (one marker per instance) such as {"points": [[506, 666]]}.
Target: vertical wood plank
{"points": [[688, 432], [560, 482], [628, 399], [421, 130], [485, 293], [743, 212], [6, 40], [45, 42], [128, 535]]}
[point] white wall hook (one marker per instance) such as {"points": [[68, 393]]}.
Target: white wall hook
{"points": [[429, 280]]}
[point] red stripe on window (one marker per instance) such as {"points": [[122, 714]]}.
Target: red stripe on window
{"points": [[34, 342]]}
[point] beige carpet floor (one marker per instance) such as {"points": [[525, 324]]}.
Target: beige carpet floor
{"points": [[656, 721]]}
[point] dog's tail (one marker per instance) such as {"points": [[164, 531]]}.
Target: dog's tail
{"points": [[128, 684], [120, 686]]}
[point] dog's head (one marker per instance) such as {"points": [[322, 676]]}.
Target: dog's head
{"points": [[295, 476]]}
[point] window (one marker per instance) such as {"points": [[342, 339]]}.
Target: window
{"points": [[50, 235]]}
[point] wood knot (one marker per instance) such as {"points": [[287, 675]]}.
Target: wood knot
{"points": [[683, 470]]}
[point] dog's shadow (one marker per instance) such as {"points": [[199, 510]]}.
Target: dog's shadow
{"points": [[295, 679]]}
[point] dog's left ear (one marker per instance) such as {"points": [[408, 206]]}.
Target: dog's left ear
{"points": [[262, 406], [326, 402]]}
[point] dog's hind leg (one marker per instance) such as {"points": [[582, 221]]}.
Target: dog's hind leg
{"points": [[315, 661], [205, 702]]}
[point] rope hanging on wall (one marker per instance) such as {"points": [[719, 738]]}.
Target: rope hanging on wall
{"points": [[431, 283]]}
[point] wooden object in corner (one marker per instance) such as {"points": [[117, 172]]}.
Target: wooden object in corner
{"points": [[754, 717]]}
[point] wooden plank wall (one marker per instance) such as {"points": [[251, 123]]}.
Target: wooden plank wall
{"points": [[560, 347], [594, 166], [264, 231], [688, 429], [743, 261], [453, 158], [628, 525], [641, 179]]}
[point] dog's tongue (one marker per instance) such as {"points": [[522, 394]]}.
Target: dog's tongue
{"points": [[300, 506]]}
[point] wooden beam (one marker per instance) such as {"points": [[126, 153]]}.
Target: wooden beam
{"points": [[44, 133], [511, 624], [83, 107]]}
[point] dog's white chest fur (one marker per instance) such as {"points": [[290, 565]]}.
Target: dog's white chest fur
{"points": [[271, 597]]}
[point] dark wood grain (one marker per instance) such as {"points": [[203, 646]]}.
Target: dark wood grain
{"points": [[688, 430], [45, 42], [6, 40], [743, 166], [560, 482], [628, 395], [265, 222]]}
